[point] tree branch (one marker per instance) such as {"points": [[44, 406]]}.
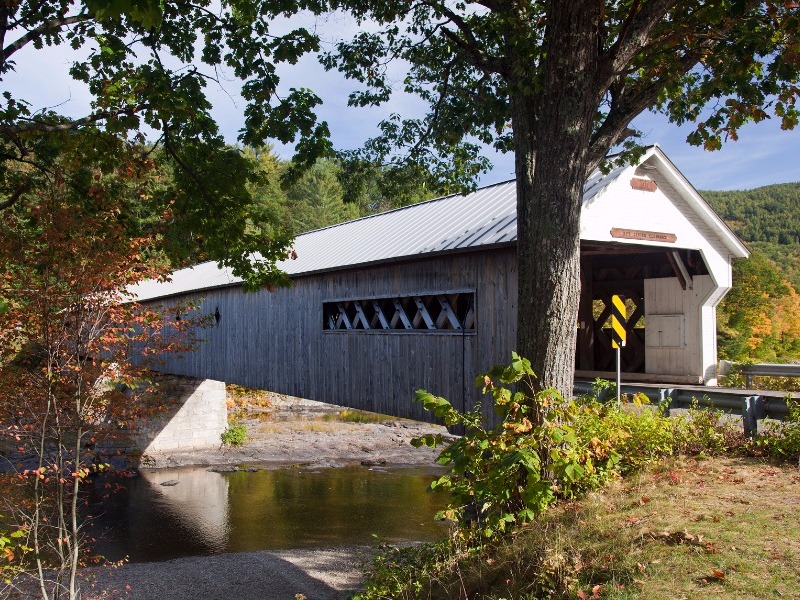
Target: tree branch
{"points": [[468, 43], [13, 198], [435, 117], [39, 127], [627, 103], [634, 34], [37, 32]]}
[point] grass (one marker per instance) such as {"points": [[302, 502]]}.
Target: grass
{"points": [[727, 527], [299, 426], [359, 416], [321, 424], [720, 527]]}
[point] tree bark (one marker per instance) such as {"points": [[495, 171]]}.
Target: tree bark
{"points": [[552, 128]]}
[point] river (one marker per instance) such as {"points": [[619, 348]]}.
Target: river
{"points": [[172, 513]]}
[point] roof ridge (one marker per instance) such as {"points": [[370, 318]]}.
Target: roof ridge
{"points": [[408, 206]]}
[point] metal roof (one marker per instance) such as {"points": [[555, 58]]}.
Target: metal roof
{"points": [[483, 218]]}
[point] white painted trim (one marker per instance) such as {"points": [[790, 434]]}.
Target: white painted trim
{"points": [[698, 203]]}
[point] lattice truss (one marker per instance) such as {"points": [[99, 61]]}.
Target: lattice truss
{"points": [[435, 312]]}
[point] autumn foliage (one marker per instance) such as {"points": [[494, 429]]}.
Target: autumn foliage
{"points": [[67, 331], [759, 319]]}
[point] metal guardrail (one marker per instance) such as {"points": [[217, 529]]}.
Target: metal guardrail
{"points": [[753, 407], [768, 370]]}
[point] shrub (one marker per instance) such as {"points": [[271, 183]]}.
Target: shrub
{"points": [[603, 390], [707, 431], [638, 432], [410, 571], [12, 549], [547, 448], [506, 475], [235, 434], [781, 440]]}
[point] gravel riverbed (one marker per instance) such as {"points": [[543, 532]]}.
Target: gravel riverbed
{"points": [[295, 431]]}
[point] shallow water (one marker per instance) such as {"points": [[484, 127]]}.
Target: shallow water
{"points": [[172, 513]]}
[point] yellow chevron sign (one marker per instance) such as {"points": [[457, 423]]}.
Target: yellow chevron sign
{"points": [[619, 319]]}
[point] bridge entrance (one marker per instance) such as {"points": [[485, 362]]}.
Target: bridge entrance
{"points": [[609, 269]]}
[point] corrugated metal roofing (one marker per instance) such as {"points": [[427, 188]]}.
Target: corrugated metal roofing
{"points": [[485, 217]]}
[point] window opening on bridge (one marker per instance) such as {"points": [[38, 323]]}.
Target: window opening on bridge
{"points": [[445, 312], [217, 316]]}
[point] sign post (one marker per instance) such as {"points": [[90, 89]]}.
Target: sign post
{"points": [[619, 319]]}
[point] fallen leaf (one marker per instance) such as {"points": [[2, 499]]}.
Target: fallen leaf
{"points": [[718, 574]]}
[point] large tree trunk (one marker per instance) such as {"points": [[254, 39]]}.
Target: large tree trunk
{"points": [[551, 136]]}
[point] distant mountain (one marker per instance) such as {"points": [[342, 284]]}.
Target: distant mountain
{"points": [[767, 219]]}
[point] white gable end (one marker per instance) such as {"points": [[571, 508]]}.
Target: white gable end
{"points": [[662, 211]]}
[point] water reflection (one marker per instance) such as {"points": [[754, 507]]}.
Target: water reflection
{"points": [[170, 513]]}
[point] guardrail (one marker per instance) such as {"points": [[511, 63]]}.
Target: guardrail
{"points": [[768, 370], [752, 406]]}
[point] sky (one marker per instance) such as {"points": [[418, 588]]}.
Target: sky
{"points": [[763, 155]]}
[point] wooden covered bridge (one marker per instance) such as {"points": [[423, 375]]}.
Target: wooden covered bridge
{"points": [[426, 296]]}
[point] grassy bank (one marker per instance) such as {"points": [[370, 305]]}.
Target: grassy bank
{"points": [[577, 498], [684, 528]]}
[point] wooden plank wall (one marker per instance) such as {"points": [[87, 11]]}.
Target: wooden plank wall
{"points": [[275, 341], [666, 297]]}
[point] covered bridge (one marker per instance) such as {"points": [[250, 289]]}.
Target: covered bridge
{"points": [[426, 296]]}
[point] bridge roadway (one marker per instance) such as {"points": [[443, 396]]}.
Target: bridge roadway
{"points": [[752, 405]]}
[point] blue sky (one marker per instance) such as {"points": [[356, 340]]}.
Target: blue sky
{"points": [[763, 155]]}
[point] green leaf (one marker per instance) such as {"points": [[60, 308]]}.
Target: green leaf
{"points": [[438, 406], [430, 440], [573, 471], [148, 13]]}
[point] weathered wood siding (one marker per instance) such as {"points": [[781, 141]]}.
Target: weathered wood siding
{"points": [[275, 340]]}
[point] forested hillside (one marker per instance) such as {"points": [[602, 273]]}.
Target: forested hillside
{"points": [[760, 318], [768, 219], [765, 214]]}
